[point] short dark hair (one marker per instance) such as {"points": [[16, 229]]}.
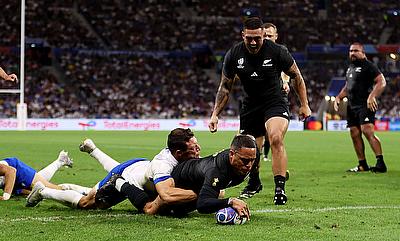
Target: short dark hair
{"points": [[252, 23], [178, 138], [241, 140], [270, 25], [359, 44]]}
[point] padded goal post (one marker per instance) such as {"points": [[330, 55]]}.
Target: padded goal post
{"points": [[22, 108]]}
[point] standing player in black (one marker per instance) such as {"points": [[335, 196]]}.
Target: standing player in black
{"points": [[364, 83], [271, 33], [258, 64], [206, 177]]}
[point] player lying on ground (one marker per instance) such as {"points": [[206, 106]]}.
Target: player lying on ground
{"points": [[18, 178], [205, 176], [154, 175]]}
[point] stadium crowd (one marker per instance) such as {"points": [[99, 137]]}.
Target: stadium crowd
{"points": [[106, 84]]}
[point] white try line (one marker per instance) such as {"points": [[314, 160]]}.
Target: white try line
{"points": [[62, 218], [321, 210], [126, 215]]}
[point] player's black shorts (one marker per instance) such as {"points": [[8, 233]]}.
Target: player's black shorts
{"points": [[357, 116], [108, 196], [253, 122]]}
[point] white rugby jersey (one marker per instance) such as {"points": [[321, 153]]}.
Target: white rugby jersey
{"points": [[145, 174], [161, 166]]}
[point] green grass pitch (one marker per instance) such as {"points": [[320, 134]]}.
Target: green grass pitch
{"points": [[324, 202]]}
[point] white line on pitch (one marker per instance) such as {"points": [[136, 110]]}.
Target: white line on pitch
{"points": [[328, 209], [61, 218], [119, 215]]}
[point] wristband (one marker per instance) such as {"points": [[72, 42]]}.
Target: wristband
{"points": [[6, 196]]}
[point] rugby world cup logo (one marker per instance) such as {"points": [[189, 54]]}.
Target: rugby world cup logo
{"points": [[240, 63]]}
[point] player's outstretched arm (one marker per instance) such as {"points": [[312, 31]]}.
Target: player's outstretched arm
{"points": [[224, 90], [379, 86], [341, 95], [9, 174], [300, 88], [172, 195]]}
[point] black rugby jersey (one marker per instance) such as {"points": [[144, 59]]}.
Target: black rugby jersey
{"points": [[360, 78], [260, 74], [206, 177]]}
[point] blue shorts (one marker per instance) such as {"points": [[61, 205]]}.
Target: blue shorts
{"points": [[119, 169], [24, 175]]}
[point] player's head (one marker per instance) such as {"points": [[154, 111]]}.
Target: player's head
{"points": [[356, 51], [270, 32], [252, 34], [183, 144], [243, 153]]}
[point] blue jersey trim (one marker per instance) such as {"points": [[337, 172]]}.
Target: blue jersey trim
{"points": [[160, 179], [119, 169]]}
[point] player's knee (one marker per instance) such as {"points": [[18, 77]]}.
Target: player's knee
{"points": [[355, 133], [276, 139], [368, 133]]}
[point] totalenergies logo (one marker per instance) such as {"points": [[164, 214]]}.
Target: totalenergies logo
{"points": [[190, 123], [88, 125]]}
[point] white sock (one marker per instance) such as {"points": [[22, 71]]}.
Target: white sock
{"points": [[49, 171], [118, 184], [104, 159], [69, 186], [67, 197]]}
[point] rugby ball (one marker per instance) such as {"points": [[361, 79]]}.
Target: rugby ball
{"points": [[229, 216]]}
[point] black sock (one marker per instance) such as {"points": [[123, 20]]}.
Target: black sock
{"points": [[254, 176], [280, 182], [136, 196], [254, 179], [379, 159], [363, 163], [266, 148]]}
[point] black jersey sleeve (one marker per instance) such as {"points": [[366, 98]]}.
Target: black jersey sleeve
{"points": [[227, 67], [373, 71], [285, 58], [208, 201]]}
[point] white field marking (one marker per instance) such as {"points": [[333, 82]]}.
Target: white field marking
{"points": [[134, 147], [327, 209], [119, 215], [61, 218]]}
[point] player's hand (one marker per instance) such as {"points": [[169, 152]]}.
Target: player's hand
{"points": [[12, 77], [213, 124], [304, 112], [286, 88], [241, 208], [1, 198], [372, 104], [336, 104]]}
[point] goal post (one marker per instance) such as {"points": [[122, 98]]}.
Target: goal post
{"points": [[22, 116], [22, 109]]}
